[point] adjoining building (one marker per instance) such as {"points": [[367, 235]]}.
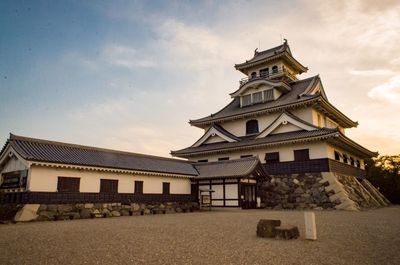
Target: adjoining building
{"points": [[279, 144]]}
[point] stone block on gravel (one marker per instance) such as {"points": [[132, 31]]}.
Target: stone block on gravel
{"points": [[266, 228], [125, 212], [287, 232], [115, 214]]}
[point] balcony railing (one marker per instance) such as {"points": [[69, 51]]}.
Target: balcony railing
{"points": [[266, 76]]}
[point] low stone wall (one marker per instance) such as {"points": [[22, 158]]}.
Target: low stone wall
{"points": [[295, 191], [327, 190], [49, 212]]}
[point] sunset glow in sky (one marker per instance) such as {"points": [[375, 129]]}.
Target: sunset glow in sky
{"points": [[128, 75]]}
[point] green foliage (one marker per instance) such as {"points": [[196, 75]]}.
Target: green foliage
{"points": [[384, 173]]}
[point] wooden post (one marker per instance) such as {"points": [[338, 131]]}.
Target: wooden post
{"points": [[311, 228]]}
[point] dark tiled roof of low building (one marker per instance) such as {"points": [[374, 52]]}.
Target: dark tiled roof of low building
{"points": [[229, 168], [56, 152], [233, 108], [246, 142]]}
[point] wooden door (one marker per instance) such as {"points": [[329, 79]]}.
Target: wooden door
{"points": [[248, 196]]}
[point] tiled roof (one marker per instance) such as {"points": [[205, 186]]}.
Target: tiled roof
{"points": [[268, 53], [56, 152], [281, 51], [292, 97], [248, 142], [229, 168]]}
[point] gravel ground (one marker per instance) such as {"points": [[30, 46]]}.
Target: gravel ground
{"points": [[217, 237]]}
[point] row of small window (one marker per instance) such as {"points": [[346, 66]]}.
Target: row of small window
{"points": [[265, 72], [273, 157], [258, 97], [347, 159], [70, 184]]}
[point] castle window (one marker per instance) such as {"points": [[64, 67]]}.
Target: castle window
{"points": [[253, 75], [246, 100], [352, 161], [274, 69], [251, 127], [223, 158], [108, 185], [345, 159], [272, 157], [337, 156], [68, 184], [245, 156], [166, 188], [358, 163], [268, 95], [138, 187], [264, 72], [301, 155], [257, 97], [203, 160]]}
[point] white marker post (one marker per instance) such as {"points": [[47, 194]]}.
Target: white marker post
{"points": [[311, 228]]}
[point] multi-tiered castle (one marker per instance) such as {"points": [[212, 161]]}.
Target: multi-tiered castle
{"points": [[287, 122]]}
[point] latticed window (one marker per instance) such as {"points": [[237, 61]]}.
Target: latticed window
{"points": [[274, 69], [138, 187], [246, 100], [108, 185], [252, 127], [272, 157], [166, 188], [264, 73], [269, 95], [257, 97], [301, 155], [337, 156], [68, 184]]}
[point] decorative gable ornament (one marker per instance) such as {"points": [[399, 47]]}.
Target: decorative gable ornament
{"points": [[284, 119], [212, 132]]}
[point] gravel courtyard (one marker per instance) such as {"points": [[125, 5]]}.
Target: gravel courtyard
{"points": [[217, 237]]}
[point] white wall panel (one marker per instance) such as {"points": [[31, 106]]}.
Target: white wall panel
{"points": [[231, 191]]}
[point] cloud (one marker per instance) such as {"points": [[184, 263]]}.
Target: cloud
{"points": [[389, 91], [371, 73], [128, 57]]}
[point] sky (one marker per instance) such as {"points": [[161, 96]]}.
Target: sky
{"points": [[128, 75]]}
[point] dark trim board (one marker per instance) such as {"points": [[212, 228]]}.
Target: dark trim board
{"points": [[87, 197], [313, 166]]}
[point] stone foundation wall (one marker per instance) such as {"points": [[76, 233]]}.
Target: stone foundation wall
{"points": [[295, 191], [327, 190], [49, 212]]}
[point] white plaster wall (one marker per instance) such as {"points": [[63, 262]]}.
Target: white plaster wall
{"points": [[214, 139], [305, 114], [231, 191], [331, 155], [283, 128], [316, 150], [45, 179], [232, 203], [238, 127], [13, 164], [218, 191]]}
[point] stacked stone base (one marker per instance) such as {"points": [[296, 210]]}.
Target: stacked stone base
{"points": [[295, 191], [50, 212], [325, 190]]}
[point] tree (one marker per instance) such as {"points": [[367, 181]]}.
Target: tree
{"points": [[384, 173]]}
